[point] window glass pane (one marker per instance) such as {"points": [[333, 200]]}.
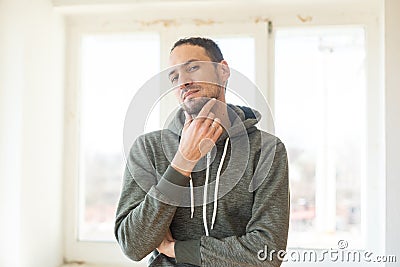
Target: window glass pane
{"points": [[113, 68], [320, 111], [243, 62]]}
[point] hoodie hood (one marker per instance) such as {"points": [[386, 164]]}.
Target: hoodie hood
{"points": [[243, 121]]}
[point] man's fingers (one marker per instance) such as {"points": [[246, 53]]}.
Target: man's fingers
{"points": [[188, 118], [216, 123], [217, 129], [206, 108], [209, 120], [217, 134], [212, 126]]}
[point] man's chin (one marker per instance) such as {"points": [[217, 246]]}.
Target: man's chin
{"points": [[194, 105]]}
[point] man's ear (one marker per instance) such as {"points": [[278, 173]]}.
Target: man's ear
{"points": [[224, 70]]}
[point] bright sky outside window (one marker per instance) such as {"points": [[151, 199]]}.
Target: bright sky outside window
{"points": [[320, 112], [113, 68], [243, 62]]}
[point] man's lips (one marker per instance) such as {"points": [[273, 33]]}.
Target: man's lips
{"points": [[190, 92]]}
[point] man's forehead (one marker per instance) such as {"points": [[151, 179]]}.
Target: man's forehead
{"points": [[184, 53]]}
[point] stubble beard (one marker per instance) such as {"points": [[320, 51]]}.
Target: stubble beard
{"points": [[194, 105]]}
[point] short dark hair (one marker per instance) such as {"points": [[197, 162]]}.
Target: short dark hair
{"points": [[212, 49]]}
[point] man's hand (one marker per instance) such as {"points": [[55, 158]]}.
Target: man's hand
{"points": [[198, 137], [167, 245]]}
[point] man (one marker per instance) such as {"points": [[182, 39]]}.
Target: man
{"points": [[210, 145]]}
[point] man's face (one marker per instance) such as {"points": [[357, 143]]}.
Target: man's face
{"points": [[195, 77]]}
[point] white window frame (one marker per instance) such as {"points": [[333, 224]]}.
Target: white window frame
{"points": [[253, 20], [373, 189], [107, 252]]}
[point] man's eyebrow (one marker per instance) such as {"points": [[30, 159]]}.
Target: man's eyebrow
{"points": [[183, 64]]}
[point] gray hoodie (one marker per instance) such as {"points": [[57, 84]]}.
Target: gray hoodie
{"points": [[243, 192]]}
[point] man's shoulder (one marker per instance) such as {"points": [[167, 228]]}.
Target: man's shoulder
{"points": [[264, 136], [157, 135], [157, 138]]}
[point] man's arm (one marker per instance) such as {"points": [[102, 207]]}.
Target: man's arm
{"points": [[143, 219], [267, 228]]}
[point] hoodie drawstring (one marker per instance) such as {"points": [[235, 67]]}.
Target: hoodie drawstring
{"points": [[217, 183], [205, 190], [191, 198], [205, 195]]}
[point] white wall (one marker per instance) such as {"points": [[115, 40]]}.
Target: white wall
{"points": [[392, 121], [31, 127], [10, 135]]}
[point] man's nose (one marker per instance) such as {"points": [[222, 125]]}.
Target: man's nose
{"points": [[185, 82]]}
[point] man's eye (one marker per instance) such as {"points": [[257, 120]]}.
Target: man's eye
{"points": [[174, 79], [193, 68]]}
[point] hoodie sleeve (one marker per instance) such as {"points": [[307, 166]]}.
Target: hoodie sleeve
{"points": [[143, 219], [267, 229]]}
